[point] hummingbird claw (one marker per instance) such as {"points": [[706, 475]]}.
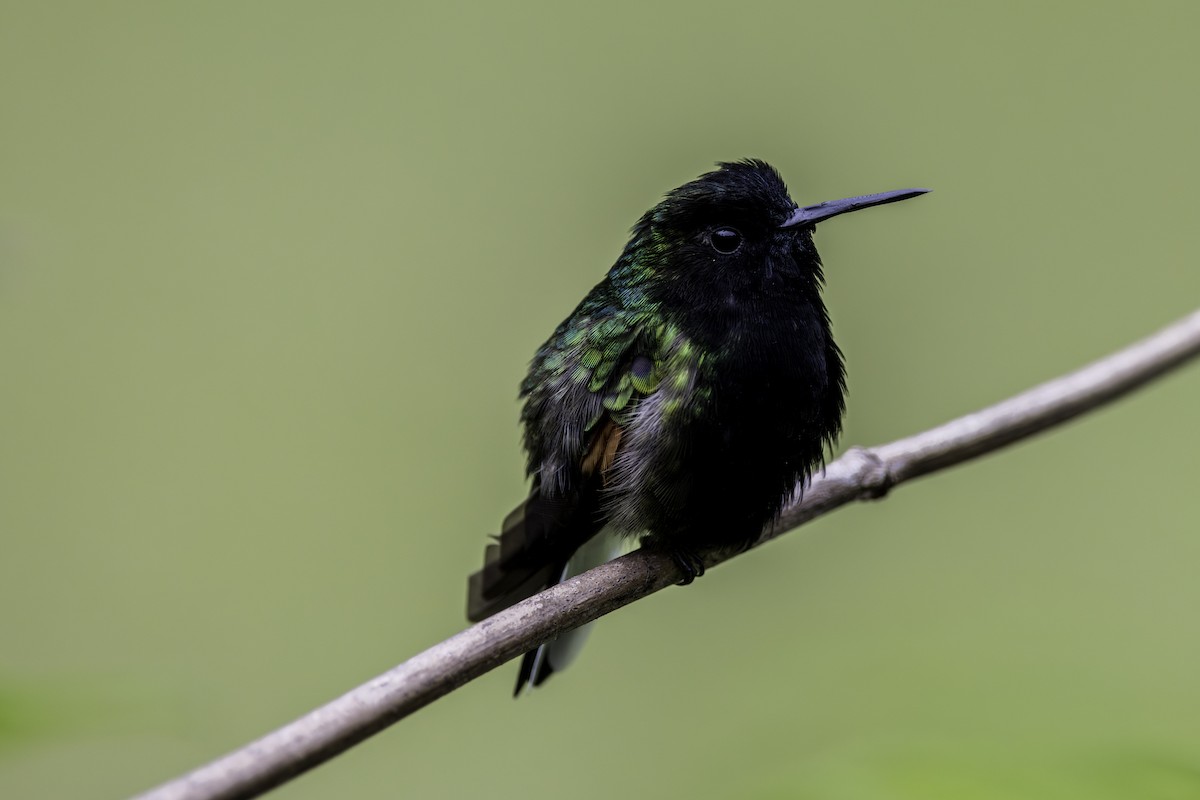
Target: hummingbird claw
{"points": [[689, 563]]}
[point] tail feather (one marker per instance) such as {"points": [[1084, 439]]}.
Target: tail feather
{"points": [[481, 605], [534, 545], [538, 665]]}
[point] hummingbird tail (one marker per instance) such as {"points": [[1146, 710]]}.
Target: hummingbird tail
{"points": [[555, 655], [531, 552]]}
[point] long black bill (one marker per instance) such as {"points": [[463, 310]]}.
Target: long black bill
{"points": [[811, 215]]}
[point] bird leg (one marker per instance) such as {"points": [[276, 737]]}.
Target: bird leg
{"points": [[689, 562]]}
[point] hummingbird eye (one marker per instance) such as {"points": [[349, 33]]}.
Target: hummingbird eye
{"points": [[725, 240]]}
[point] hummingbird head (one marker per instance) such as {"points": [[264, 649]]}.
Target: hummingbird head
{"points": [[738, 226]]}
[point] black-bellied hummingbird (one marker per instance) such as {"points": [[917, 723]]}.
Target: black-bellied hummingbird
{"points": [[683, 401]]}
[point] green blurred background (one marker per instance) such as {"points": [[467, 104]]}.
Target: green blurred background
{"points": [[270, 274]]}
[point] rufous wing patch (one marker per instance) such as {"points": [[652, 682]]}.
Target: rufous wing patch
{"points": [[602, 451]]}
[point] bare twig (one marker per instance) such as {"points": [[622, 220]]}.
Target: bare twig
{"points": [[859, 474]]}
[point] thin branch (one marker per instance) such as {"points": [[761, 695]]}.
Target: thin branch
{"points": [[858, 475]]}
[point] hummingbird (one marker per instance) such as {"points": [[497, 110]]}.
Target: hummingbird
{"points": [[685, 399]]}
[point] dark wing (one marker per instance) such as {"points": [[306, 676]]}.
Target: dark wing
{"points": [[581, 385]]}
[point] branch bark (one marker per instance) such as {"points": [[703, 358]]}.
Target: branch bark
{"points": [[860, 474]]}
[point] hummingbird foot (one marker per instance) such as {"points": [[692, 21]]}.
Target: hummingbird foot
{"points": [[690, 564]]}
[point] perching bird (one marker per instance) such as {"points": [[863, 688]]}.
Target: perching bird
{"points": [[685, 398]]}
